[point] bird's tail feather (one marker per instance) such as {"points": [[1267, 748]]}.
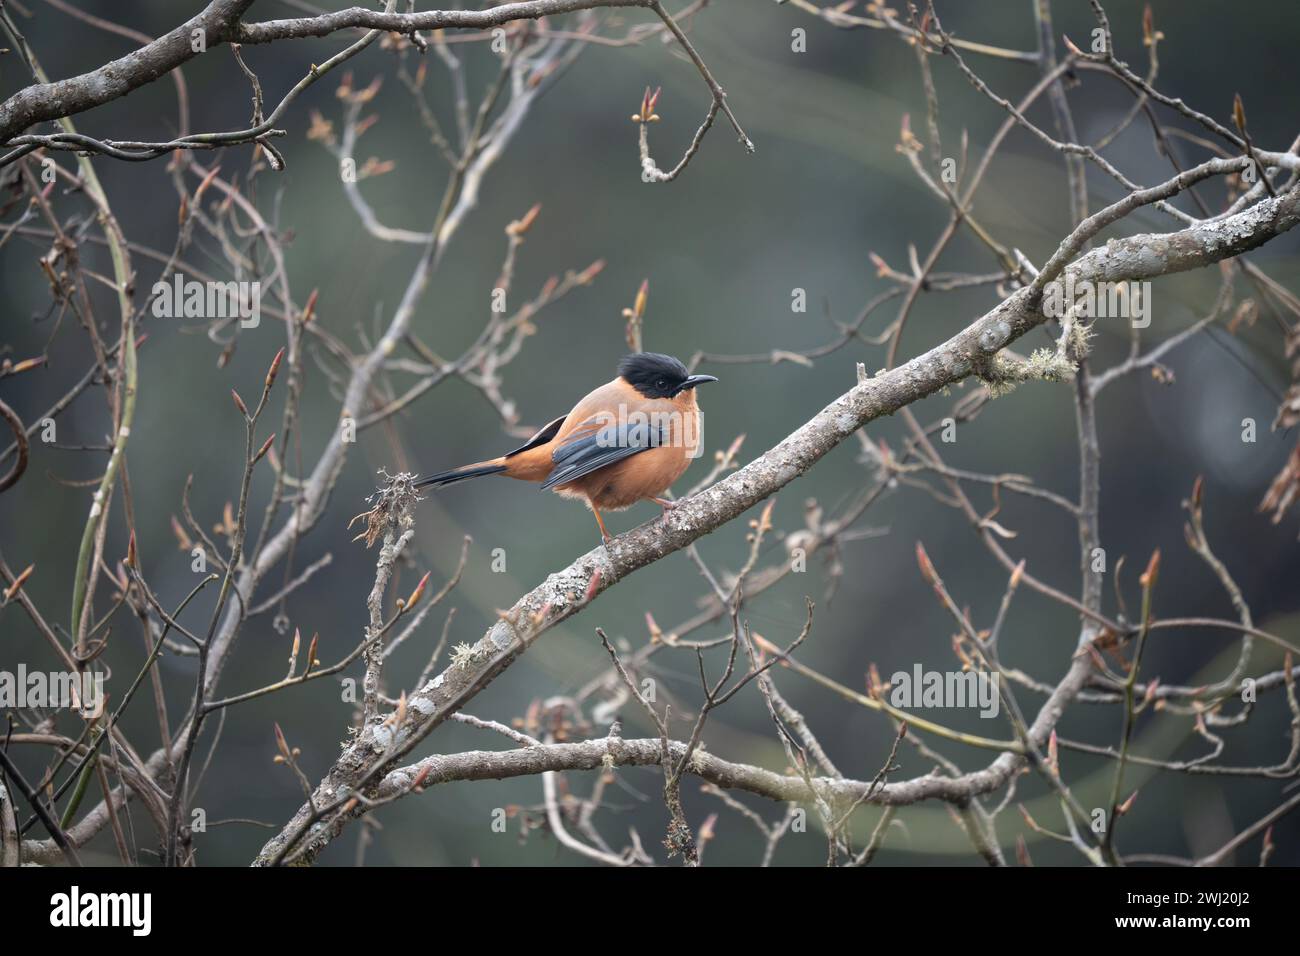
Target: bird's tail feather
{"points": [[460, 474]]}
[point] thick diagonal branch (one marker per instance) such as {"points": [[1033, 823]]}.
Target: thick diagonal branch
{"points": [[566, 592]]}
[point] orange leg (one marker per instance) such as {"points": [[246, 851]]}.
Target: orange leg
{"points": [[664, 503], [604, 535]]}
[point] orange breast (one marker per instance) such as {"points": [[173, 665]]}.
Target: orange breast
{"points": [[646, 475]]}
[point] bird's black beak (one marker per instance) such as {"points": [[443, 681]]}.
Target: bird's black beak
{"points": [[697, 380]]}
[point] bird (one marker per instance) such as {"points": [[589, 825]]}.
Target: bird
{"points": [[626, 441]]}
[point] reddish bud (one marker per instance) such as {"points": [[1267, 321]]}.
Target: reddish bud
{"points": [[203, 186], [1152, 687], [266, 446], [642, 295], [182, 539], [708, 828], [310, 308], [419, 590], [521, 226], [1022, 851], [588, 274], [27, 364], [18, 582], [274, 369], [927, 569], [281, 744], [1149, 576]]}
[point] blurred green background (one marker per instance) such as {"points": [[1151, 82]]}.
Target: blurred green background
{"points": [[723, 247]]}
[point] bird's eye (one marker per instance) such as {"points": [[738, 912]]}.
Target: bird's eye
{"points": [[662, 383]]}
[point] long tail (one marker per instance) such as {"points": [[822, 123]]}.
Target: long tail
{"points": [[476, 470]]}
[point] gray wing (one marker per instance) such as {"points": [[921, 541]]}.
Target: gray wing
{"points": [[600, 449]]}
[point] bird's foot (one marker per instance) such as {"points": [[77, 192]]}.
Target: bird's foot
{"points": [[666, 504]]}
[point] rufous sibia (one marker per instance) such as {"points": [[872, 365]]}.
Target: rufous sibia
{"points": [[625, 442]]}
